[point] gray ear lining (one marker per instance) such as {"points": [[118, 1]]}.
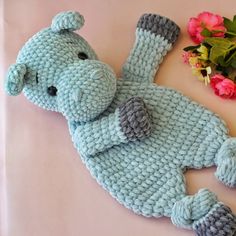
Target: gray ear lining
{"points": [[69, 20]]}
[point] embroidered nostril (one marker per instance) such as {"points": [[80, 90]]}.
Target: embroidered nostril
{"points": [[97, 74], [52, 91], [76, 95]]}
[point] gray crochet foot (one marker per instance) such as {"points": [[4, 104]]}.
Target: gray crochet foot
{"points": [[159, 25], [134, 119], [220, 221]]}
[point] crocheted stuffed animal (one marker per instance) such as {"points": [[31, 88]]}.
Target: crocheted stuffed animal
{"points": [[135, 137]]}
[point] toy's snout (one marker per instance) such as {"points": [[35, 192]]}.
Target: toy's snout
{"points": [[85, 89]]}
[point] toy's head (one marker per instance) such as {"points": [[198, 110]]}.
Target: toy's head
{"points": [[59, 71]]}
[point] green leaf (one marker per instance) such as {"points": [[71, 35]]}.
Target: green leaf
{"points": [[191, 48], [222, 52], [230, 56], [206, 32], [220, 48], [206, 45], [221, 62], [220, 42], [223, 70], [233, 63], [228, 23], [216, 53], [230, 26]]}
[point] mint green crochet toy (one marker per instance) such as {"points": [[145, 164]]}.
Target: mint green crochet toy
{"points": [[135, 137]]}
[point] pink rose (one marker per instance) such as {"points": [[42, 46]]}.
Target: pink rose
{"points": [[223, 87], [205, 20]]}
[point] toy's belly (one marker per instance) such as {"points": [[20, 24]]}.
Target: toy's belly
{"points": [[184, 134]]}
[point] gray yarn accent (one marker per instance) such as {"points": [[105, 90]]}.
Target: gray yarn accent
{"points": [[219, 222], [159, 25], [134, 119]]}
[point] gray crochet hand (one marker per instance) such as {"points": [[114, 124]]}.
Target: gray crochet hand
{"points": [[134, 119], [129, 122]]}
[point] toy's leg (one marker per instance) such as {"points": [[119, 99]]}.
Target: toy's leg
{"points": [[202, 213], [154, 38], [226, 163]]}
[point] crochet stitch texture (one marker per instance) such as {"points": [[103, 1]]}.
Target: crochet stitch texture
{"points": [[135, 137]]}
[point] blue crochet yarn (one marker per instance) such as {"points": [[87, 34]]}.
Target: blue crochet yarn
{"points": [[135, 137], [226, 163]]}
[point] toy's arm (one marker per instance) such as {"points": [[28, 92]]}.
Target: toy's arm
{"points": [[129, 122], [155, 36]]}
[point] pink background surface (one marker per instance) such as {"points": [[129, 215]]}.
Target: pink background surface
{"points": [[48, 190]]}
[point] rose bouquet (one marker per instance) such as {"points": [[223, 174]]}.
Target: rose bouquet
{"points": [[213, 58]]}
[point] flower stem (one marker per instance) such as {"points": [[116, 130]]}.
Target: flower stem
{"points": [[231, 33]]}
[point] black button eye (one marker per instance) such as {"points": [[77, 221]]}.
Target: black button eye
{"points": [[52, 91], [82, 56]]}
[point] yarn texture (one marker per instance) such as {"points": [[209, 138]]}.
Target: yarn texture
{"points": [[226, 159], [135, 137]]}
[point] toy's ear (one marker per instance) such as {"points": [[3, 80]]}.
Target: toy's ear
{"points": [[69, 20], [14, 81]]}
